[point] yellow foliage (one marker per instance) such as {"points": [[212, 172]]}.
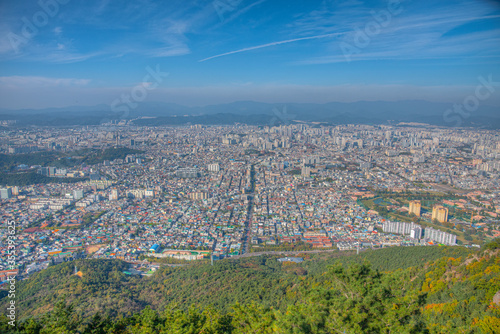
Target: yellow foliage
{"points": [[438, 308], [474, 267], [492, 269], [488, 324]]}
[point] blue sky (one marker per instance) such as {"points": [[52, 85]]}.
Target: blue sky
{"points": [[56, 53]]}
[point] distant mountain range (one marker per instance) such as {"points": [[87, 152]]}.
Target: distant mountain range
{"points": [[259, 113]]}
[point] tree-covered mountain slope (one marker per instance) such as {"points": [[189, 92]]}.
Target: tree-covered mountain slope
{"points": [[421, 290]]}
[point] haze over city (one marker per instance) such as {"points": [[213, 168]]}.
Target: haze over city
{"points": [[84, 53]]}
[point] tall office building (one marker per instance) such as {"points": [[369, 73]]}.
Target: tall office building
{"points": [[415, 207], [311, 160], [403, 228], [306, 171], [15, 191], [187, 173], [78, 194], [197, 195], [440, 213], [48, 171], [440, 236], [416, 232], [5, 193], [114, 195], [213, 168]]}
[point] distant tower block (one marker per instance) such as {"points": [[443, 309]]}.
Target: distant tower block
{"points": [[306, 171], [114, 195], [415, 207], [440, 213], [213, 167]]}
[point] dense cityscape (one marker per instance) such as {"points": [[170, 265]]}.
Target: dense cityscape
{"points": [[197, 191]]}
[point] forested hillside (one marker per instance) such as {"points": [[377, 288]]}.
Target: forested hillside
{"points": [[9, 175], [8, 162], [403, 290]]}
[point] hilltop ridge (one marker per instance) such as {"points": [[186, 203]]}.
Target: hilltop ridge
{"points": [[426, 290]]}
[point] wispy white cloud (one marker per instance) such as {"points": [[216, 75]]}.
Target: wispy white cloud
{"points": [[414, 35], [163, 35], [172, 51], [271, 44], [69, 57]]}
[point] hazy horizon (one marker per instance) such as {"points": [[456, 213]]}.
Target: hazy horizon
{"points": [[70, 53], [229, 102]]}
